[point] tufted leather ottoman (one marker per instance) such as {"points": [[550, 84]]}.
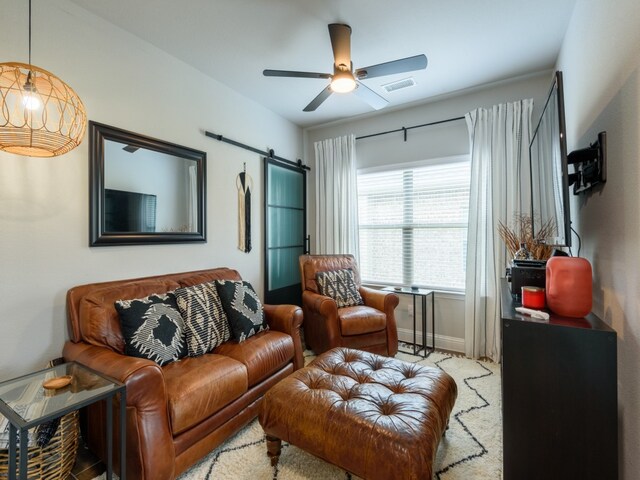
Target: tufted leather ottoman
{"points": [[376, 417]]}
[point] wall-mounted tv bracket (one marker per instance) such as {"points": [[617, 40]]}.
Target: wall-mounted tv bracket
{"points": [[590, 165]]}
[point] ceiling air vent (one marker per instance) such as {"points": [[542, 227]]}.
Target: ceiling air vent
{"points": [[404, 83]]}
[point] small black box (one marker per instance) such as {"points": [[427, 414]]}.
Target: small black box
{"points": [[527, 273]]}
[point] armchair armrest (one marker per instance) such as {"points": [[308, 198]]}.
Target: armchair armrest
{"points": [[321, 326], [287, 319], [383, 301], [149, 437], [320, 304]]}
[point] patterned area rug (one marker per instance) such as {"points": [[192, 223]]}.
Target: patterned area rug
{"points": [[471, 448]]}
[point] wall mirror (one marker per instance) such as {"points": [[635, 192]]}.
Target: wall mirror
{"points": [[144, 190]]}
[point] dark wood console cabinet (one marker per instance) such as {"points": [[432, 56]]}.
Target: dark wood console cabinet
{"points": [[559, 397]]}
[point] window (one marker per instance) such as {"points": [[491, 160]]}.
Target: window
{"points": [[413, 223]]}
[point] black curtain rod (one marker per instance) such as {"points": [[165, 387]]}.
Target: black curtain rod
{"points": [[404, 129], [269, 154]]}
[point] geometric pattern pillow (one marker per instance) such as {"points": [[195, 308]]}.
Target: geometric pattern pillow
{"points": [[339, 285], [152, 328], [206, 324], [243, 308]]}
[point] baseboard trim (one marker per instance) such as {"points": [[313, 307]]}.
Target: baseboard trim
{"points": [[453, 344]]}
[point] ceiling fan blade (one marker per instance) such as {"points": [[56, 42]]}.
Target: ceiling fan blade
{"points": [[371, 97], [402, 65], [289, 73], [341, 44], [316, 102]]}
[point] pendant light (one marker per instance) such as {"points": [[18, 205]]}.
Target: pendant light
{"points": [[40, 115]]}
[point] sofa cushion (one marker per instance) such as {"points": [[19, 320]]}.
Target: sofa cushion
{"points": [[263, 354], [197, 387], [206, 324], [339, 285], [243, 308], [361, 319], [152, 328]]}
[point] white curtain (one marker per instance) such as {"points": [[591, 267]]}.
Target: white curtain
{"points": [[336, 196], [499, 139]]}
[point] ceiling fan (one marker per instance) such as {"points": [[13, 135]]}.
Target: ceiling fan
{"points": [[344, 78]]}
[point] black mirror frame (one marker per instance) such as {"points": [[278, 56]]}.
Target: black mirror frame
{"points": [[98, 133]]}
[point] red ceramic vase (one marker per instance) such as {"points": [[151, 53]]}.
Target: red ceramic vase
{"points": [[569, 286]]}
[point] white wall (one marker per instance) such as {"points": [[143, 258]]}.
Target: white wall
{"points": [[600, 60], [424, 143], [44, 215]]}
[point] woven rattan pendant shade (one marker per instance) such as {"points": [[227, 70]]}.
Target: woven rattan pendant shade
{"points": [[55, 127]]}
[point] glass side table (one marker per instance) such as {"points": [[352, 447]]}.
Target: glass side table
{"points": [[26, 404], [423, 293]]}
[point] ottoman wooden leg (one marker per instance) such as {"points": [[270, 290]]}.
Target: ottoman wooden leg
{"points": [[273, 449]]}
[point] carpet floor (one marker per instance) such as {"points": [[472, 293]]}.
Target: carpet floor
{"points": [[471, 448]]}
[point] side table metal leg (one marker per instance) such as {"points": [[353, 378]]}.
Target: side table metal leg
{"points": [[12, 451], [123, 435], [433, 321], [24, 453], [415, 343], [424, 325], [109, 426]]}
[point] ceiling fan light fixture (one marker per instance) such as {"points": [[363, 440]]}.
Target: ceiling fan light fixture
{"points": [[343, 82]]}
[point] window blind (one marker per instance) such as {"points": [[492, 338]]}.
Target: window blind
{"points": [[413, 225]]}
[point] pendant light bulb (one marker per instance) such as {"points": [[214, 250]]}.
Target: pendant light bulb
{"points": [[30, 99]]}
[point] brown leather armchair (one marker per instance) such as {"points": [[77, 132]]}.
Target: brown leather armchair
{"points": [[370, 327]]}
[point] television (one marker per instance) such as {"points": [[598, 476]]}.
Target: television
{"points": [[129, 212], [550, 216]]}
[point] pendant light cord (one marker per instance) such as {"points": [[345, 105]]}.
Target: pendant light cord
{"points": [[29, 32]]}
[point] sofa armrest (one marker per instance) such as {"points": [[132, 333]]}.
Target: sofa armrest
{"points": [[149, 437], [287, 319]]}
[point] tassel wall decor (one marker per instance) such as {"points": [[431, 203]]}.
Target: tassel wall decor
{"points": [[245, 185]]}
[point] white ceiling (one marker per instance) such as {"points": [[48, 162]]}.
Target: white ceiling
{"points": [[467, 42]]}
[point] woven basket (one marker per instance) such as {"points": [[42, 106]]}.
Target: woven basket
{"points": [[54, 461]]}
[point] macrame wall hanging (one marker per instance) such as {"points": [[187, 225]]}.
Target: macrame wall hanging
{"points": [[245, 185]]}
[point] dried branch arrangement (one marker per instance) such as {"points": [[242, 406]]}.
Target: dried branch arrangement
{"points": [[523, 233]]}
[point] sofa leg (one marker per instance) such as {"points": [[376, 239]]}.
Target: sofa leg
{"points": [[273, 449]]}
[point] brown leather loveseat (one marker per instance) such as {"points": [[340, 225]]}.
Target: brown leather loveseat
{"points": [[179, 412]]}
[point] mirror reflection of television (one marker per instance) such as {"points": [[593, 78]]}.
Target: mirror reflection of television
{"points": [[549, 172], [129, 211]]}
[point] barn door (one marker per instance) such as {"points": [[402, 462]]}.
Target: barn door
{"points": [[285, 230]]}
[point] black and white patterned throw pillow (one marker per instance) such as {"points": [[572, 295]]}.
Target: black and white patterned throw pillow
{"points": [[341, 286], [206, 324], [243, 308], [152, 328]]}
